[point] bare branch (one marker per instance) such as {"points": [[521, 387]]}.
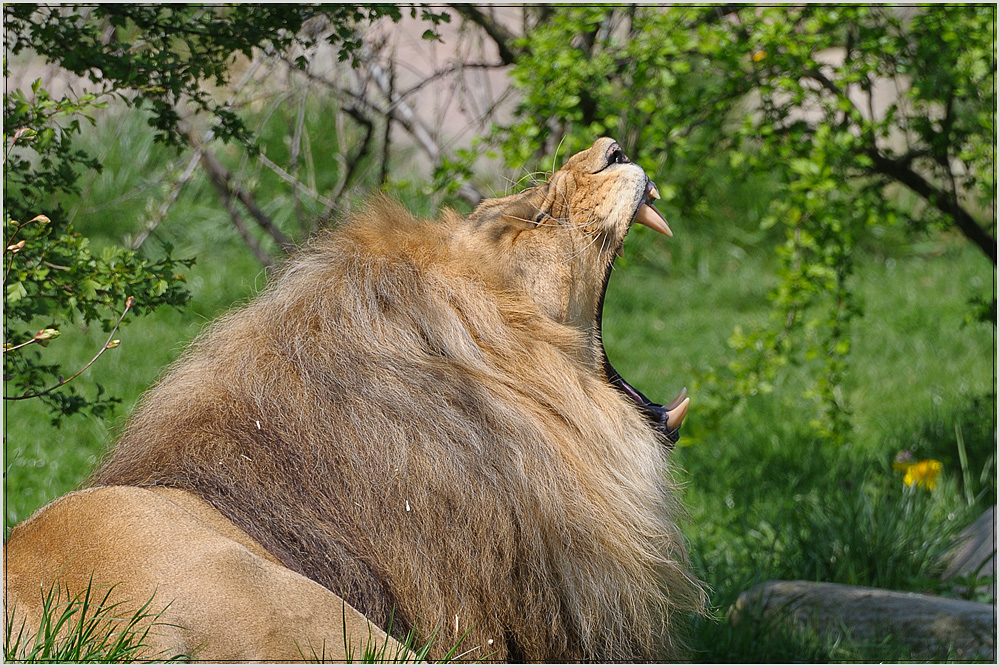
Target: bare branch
{"points": [[387, 130], [248, 238], [222, 180], [943, 201], [175, 191], [400, 111], [199, 144], [445, 71], [351, 164], [295, 149], [294, 182], [383, 176], [403, 113], [42, 335], [502, 37], [226, 197]]}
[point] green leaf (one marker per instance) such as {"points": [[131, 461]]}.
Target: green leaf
{"points": [[15, 292]]}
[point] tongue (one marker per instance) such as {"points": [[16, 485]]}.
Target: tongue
{"points": [[649, 216]]}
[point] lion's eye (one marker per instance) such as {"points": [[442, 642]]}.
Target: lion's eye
{"points": [[617, 156]]}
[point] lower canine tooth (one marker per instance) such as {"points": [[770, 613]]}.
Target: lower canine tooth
{"points": [[675, 416], [677, 400], [649, 216]]}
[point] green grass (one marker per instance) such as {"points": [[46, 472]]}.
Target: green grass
{"points": [[767, 498], [409, 649], [83, 628], [87, 628]]}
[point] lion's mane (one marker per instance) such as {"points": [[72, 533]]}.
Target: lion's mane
{"points": [[390, 421]]}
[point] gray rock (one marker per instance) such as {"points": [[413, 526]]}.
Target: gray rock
{"points": [[976, 554], [930, 625]]}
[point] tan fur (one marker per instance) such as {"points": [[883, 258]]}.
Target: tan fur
{"points": [[222, 596], [415, 415]]}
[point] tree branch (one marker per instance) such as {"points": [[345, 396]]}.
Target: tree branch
{"points": [[199, 147], [110, 343], [403, 113], [294, 182], [940, 199], [226, 197], [222, 180], [451, 69], [244, 233], [502, 37], [900, 171], [351, 163], [175, 191]]}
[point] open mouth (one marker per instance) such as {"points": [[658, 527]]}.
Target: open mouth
{"points": [[665, 419]]}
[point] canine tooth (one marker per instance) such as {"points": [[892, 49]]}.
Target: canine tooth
{"points": [[649, 216], [677, 401], [653, 192], [675, 416]]}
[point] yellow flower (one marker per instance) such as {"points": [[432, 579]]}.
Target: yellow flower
{"points": [[922, 473], [758, 56]]}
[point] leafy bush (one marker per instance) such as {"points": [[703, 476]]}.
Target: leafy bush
{"points": [[155, 58]]}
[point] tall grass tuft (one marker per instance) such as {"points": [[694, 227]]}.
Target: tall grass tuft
{"points": [[86, 628], [409, 650], [897, 541], [83, 628]]}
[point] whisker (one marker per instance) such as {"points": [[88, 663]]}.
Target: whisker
{"points": [[557, 224], [585, 248], [533, 178], [555, 156]]}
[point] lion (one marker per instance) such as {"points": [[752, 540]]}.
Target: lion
{"points": [[416, 422]]}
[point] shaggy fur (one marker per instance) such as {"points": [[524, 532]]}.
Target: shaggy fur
{"points": [[414, 414]]}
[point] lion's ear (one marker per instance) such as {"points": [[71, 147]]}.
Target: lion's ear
{"points": [[525, 210]]}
